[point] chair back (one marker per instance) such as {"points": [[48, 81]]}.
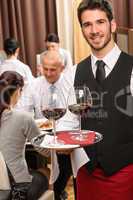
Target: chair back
{"points": [[48, 195], [4, 178]]}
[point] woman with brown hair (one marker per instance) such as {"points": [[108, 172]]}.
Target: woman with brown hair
{"points": [[15, 128]]}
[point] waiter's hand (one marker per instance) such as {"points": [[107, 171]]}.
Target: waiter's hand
{"points": [[64, 151]]}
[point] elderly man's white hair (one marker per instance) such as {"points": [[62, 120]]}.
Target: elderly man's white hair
{"points": [[54, 55]]}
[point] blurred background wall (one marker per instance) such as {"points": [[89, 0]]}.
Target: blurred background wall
{"points": [[29, 21]]}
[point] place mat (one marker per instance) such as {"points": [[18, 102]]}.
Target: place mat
{"points": [[66, 136]]}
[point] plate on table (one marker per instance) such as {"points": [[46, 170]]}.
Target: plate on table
{"points": [[44, 125]]}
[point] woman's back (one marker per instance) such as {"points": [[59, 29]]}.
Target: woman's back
{"points": [[15, 129]]}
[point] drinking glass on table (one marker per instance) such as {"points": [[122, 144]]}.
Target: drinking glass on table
{"points": [[79, 102], [53, 107]]}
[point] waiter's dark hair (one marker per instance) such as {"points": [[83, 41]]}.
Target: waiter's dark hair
{"points": [[103, 5]]}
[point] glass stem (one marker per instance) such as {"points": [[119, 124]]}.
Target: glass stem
{"points": [[54, 131], [80, 132]]}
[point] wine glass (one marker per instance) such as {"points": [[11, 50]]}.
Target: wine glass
{"points": [[79, 102], [53, 107]]}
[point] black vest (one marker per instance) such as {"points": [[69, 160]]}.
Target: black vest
{"points": [[111, 115]]}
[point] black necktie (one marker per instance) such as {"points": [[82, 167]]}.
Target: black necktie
{"points": [[100, 72]]}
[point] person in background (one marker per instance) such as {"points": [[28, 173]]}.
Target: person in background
{"points": [[52, 75], [108, 72], [53, 43], [12, 63], [13, 136]]}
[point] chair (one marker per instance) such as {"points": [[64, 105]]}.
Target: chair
{"points": [[4, 180], [39, 65], [3, 56], [5, 183], [48, 195]]}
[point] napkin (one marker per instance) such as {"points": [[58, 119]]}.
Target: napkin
{"points": [[54, 167], [54, 172], [78, 159]]}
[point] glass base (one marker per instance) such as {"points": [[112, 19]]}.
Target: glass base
{"points": [[80, 136], [57, 143]]}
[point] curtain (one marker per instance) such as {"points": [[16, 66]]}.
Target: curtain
{"points": [[69, 29], [81, 48], [28, 21], [123, 12], [65, 23]]}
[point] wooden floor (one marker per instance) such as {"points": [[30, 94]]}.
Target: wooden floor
{"points": [[69, 189]]}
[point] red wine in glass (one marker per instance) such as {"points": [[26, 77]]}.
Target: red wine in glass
{"points": [[55, 113], [79, 109], [53, 107], [79, 103]]}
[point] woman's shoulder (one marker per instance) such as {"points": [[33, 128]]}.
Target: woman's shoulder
{"points": [[22, 115], [18, 118]]}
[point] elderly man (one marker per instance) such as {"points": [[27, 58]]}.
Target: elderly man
{"points": [[52, 75]]}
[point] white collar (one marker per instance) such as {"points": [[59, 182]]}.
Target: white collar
{"points": [[11, 59], [57, 84], [110, 59]]}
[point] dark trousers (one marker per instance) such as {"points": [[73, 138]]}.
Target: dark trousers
{"points": [[38, 186], [65, 173]]}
